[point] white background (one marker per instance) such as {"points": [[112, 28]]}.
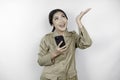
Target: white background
{"points": [[24, 22]]}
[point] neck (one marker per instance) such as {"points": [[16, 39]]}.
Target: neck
{"points": [[60, 32]]}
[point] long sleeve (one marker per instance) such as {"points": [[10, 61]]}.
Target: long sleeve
{"points": [[82, 40], [44, 57]]}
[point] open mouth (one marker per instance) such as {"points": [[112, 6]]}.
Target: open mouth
{"points": [[62, 25]]}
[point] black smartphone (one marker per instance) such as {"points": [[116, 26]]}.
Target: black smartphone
{"points": [[58, 39]]}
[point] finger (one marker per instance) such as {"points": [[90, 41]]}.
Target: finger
{"points": [[87, 10], [63, 47], [60, 43]]}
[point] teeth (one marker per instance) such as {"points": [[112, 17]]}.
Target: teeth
{"points": [[62, 25]]}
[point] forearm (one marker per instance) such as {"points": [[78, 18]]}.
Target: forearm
{"points": [[79, 23], [45, 60], [54, 55], [85, 40]]}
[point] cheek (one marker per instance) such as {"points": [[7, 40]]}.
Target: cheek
{"points": [[54, 23], [66, 21]]}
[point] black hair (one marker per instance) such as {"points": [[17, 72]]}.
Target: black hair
{"points": [[51, 14]]}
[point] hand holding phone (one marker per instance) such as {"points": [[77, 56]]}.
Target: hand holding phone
{"points": [[58, 39]]}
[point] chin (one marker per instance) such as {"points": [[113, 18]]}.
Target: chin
{"points": [[63, 30]]}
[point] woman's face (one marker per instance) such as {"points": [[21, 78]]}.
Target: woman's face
{"points": [[59, 21]]}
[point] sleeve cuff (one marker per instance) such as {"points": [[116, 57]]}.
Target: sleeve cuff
{"points": [[46, 60]]}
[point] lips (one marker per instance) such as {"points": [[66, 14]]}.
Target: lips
{"points": [[62, 25]]}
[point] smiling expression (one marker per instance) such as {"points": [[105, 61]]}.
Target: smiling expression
{"points": [[60, 21]]}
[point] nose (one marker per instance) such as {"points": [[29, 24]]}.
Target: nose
{"points": [[61, 20]]}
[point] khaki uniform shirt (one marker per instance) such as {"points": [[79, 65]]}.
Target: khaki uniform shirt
{"points": [[64, 66]]}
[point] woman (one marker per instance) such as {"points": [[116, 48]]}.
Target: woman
{"points": [[59, 62]]}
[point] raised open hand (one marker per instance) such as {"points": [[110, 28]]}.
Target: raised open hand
{"points": [[79, 17], [82, 13]]}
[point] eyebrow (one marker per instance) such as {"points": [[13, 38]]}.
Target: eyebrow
{"points": [[57, 16]]}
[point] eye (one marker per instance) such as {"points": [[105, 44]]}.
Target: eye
{"points": [[56, 18], [63, 15]]}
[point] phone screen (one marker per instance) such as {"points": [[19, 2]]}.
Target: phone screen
{"points": [[58, 39]]}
